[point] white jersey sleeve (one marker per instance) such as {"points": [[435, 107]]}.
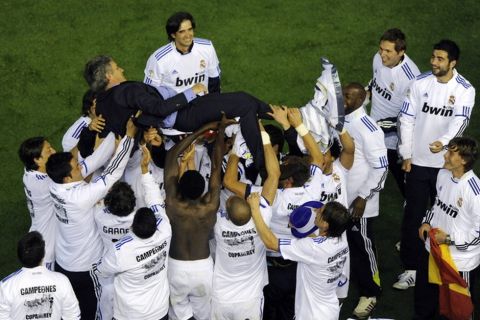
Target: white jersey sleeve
{"points": [[71, 137], [153, 196], [108, 265], [406, 120], [299, 250], [99, 157]]}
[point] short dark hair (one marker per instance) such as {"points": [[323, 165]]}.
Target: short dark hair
{"points": [[120, 199], [450, 47], [297, 169], [174, 22], [467, 149], [58, 166], [31, 249], [95, 72], [144, 223], [337, 217], [335, 148], [30, 150], [191, 185], [276, 136], [396, 36], [87, 101]]}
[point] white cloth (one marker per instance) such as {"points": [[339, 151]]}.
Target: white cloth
{"points": [[190, 288], [251, 309], [457, 212], [40, 205], [168, 67], [370, 166], [37, 293], [389, 87], [321, 261], [78, 243], [434, 111], [72, 135], [240, 271]]}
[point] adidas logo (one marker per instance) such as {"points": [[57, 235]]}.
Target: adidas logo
{"points": [[175, 72], [425, 95], [354, 228]]}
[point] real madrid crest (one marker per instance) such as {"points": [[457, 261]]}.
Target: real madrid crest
{"points": [[459, 202], [451, 100], [392, 86], [336, 178], [203, 64]]}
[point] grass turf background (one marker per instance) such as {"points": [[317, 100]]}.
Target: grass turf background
{"points": [[269, 48]]}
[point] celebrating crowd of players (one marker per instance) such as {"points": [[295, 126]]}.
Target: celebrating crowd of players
{"points": [[161, 206]]}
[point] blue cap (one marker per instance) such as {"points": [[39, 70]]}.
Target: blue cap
{"points": [[302, 219]]}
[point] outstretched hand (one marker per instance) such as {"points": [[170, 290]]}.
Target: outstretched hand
{"points": [[146, 158], [294, 117]]}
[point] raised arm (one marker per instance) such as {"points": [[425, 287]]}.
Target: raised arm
{"points": [[348, 152], [230, 179], [267, 236], [295, 119], [270, 185], [171, 165]]}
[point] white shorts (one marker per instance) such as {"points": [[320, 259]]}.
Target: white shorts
{"points": [[238, 310], [190, 288]]}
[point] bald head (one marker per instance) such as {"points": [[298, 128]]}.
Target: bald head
{"points": [[238, 210], [353, 94]]}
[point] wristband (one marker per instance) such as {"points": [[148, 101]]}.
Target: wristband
{"points": [[265, 138], [302, 130]]}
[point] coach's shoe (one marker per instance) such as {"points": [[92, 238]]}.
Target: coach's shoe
{"points": [[364, 307], [406, 280]]}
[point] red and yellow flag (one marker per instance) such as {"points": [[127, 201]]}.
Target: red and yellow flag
{"points": [[454, 297]]}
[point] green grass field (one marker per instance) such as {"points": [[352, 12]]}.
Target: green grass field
{"points": [[269, 48]]}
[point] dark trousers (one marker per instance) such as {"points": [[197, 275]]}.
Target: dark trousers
{"points": [[420, 194], [280, 292], [395, 167], [84, 288], [208, 108], [363, 257], [426, 294]]}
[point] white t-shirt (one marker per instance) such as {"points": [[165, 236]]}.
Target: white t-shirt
{"points": [[37, 293], [72, 136], [78, 243], [321, 261], [168, 67], [457, 212], [40, 205], [288, 199], [389, 89], [434, 111], [240, 265], [140, 267], [370, 167]]}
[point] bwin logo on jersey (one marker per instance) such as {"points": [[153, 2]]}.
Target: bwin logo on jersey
{"points": [[381, 91], [444, 111], [189, 81], [448, 209]]}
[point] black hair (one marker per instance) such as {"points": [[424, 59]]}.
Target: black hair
{"points": [[396, 36], [58, 166], [191, 185], [336, 148], [337, 217], [87, 101], [95, 72], [31, 249], [30, 150], [450, 47], [120, 199], [144, 223], [297, 169], [467, 149], [174, 22]]}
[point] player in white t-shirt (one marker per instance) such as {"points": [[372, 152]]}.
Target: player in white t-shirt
{"points": [[321, 259], [365, 180], [72, 135], [456, 217], [34, 153], [184, 61], [34, 292], [78, 244], [240, 271], [437, 109], [393, 73]]}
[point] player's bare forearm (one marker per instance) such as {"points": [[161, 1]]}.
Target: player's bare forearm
{"points": [[267, 236], [230, 179], [219, 151], [348, 152], [273, 170]]}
